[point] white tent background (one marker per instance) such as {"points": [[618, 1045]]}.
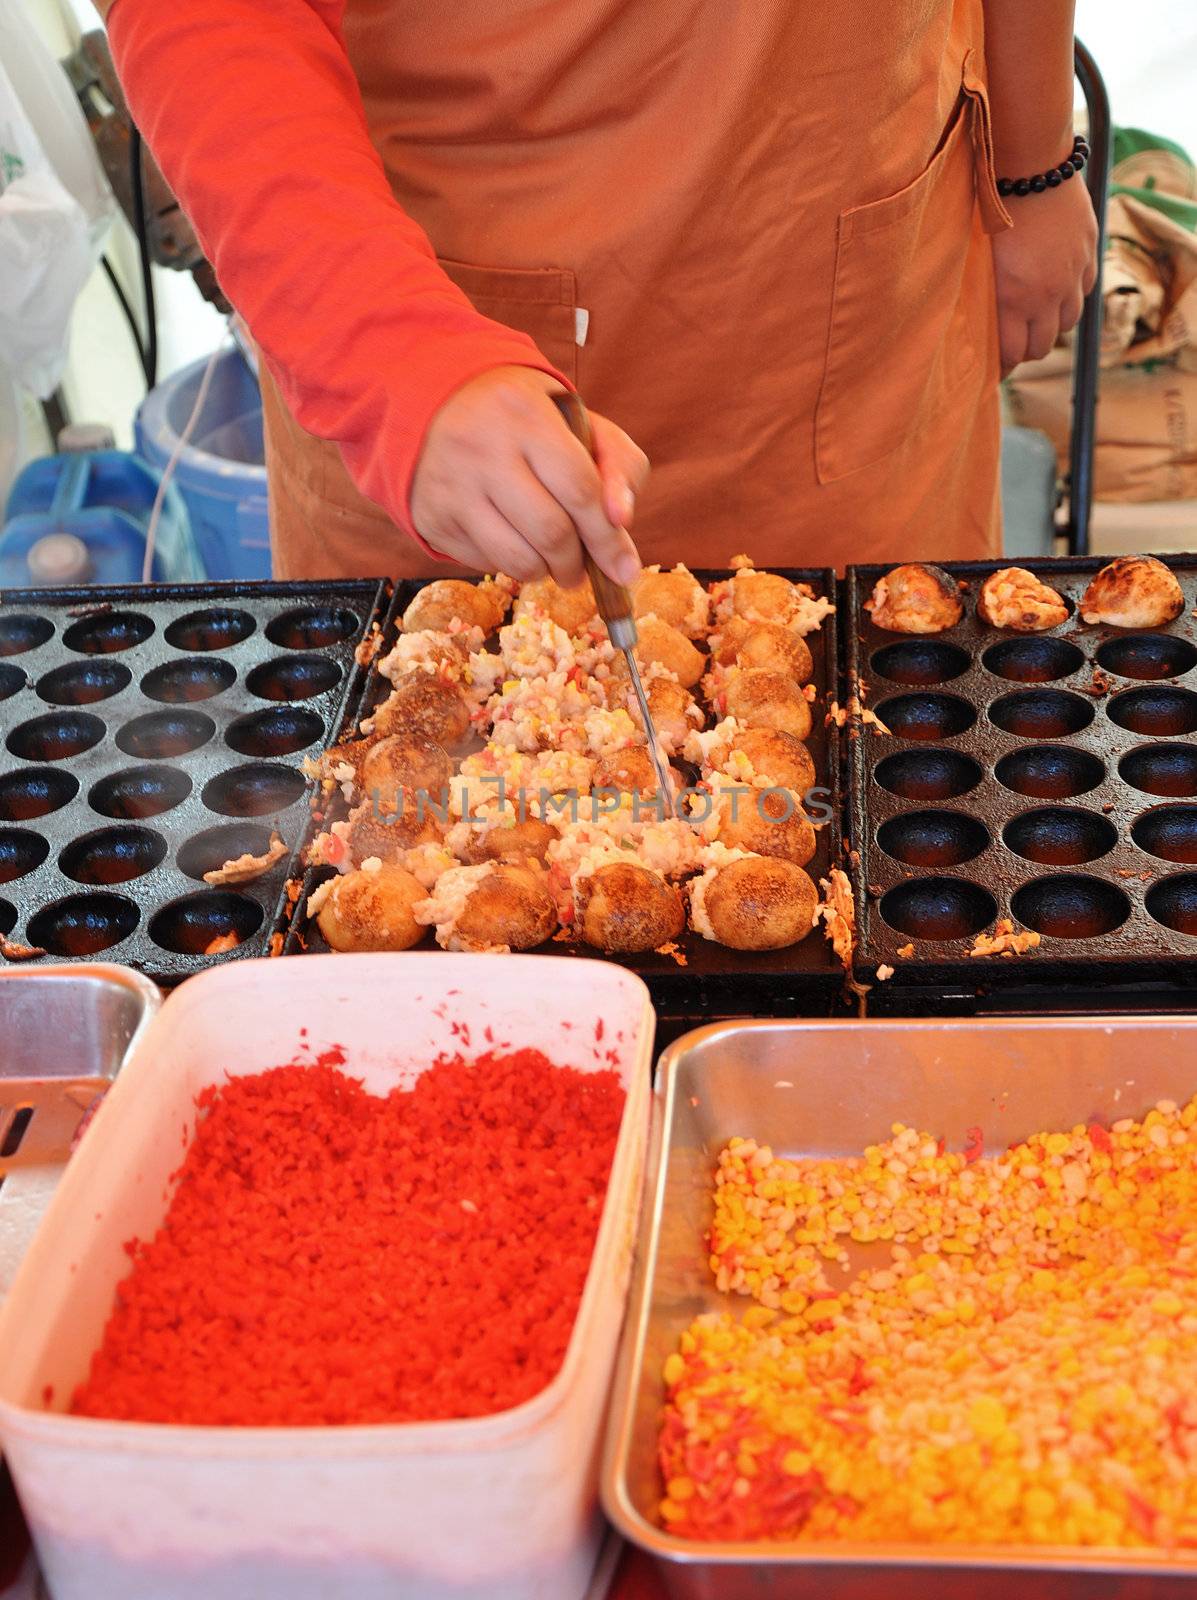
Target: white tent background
{"points": [[1147, 53]]}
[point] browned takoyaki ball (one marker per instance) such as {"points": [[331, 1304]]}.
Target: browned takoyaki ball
{"points": [[758, 903], [675, 597], [389, 827], [421, 705], [741, 643], [512, 905], [372, 911], [1016, 599], [570, 609], [1133, 592], [763, 699], [673, 710], [508, 841], [631, 771], [447, 600], [779, 757], [672, 650], [767, 822], [404, 762], [915, 599], [763, 596], [622, 907]]}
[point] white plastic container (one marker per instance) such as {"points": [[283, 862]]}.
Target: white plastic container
{"points": [[496, 1508]]}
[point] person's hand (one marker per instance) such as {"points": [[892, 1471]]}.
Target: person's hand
{"points": [[502, 483], [1045, 266]]}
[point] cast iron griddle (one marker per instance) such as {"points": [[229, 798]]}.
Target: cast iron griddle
{"points": [[714, 981], [147, 735], [1047, 778]]}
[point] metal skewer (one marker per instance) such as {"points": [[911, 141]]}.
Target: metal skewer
{"points": [[615, 607]]}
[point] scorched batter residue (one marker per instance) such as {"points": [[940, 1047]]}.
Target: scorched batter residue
{"points": [[332, 1256]]}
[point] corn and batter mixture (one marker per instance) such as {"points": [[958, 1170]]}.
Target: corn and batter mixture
{"points": [[1022, 1368]]}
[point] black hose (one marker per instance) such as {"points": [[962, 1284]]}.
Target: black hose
{"points": [[143, 246], [129, 317], [1087, 351]]}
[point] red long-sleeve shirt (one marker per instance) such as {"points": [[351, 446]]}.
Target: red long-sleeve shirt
{"points": [[254, 116]]}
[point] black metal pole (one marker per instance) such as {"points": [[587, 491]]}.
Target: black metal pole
{"points": [[1086, 360], [57, 416], [140, 227]]}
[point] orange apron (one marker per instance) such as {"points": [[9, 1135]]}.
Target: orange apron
{"points": [[752, 232]]}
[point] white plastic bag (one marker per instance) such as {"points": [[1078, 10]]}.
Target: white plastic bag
{"points": [[52, 106], [45, 252]]}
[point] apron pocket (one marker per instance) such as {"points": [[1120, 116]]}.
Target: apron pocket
{"points": [[539, 301], [901, 340]]}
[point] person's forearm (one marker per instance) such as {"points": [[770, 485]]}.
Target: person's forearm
{"points": [[253, 113], [1028, 49]]}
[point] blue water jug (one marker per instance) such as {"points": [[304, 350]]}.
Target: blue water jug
{"points": [[83, 519]]}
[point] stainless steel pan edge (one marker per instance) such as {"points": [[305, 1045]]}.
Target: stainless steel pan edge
{"points": [[62, 1025], [853, 1571], [146, 994]]}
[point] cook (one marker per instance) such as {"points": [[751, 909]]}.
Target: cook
{"points": [[765, 240]]}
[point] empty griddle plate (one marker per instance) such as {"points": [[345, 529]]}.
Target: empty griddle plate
{"points": [[1049, 779], [147, 736], [804, 979]]}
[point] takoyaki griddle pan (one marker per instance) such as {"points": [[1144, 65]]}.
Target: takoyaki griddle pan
{"points": [[1048, 778], [709, 980], [147, 736]]}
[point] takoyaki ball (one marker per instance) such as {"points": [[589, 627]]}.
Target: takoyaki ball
{"points": [[631, 771], [446, 653], [659, 642], [769, 645], [512, 905], [404, 762], [570, 609], [1133, 592], [915, 599], [390, 827], [673, 710], [676, 597], [1016, 599], [767, 822], [421, 705], [756, 903], [779, 757], [763, 699], [372, 911], [763, 597], [447, 600], [507, 841], [622, 907]]}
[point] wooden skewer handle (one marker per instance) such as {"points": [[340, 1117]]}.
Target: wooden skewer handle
{"points": [[613, 600]]}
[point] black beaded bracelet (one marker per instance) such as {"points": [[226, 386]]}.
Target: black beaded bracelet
{"points": [[1053, 178]]}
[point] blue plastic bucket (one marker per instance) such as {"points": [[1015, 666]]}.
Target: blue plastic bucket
{"points": [[221, 473], [104, 498]]}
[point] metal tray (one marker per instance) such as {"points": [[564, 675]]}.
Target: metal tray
{"points": [[830, 1088], [1042, 743], [148, 734], [65, 1033], [715, 981]]}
